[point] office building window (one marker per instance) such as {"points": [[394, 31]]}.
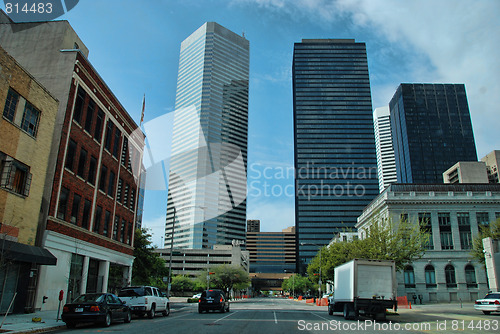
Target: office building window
{"points": [[445, 230], [81, 163], [109, 136], [464, 230], [430, 276], [424, 220], [80, 100], [97, 219], [90, 116], [30, 120], [86, 213], [125, 195], [122, 231], [116, 143], [470, 276], [124, 152], [63, 203], [98, 125], [107, 219], [449, 273], [75, 209], [483, 219], [111, 183], [14, 175], [9, 110], [92, 170], [129, 234], [115, 228], [119, 191], [409, 276], [132, 199], [70, 155], [102, 179]]}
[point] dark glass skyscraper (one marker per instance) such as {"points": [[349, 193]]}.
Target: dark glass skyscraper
{"points": [[335, 160], [431, 131]]}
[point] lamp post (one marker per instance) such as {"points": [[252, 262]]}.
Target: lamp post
{"points": [[320, 262]]}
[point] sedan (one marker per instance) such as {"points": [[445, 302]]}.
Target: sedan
{"points": [[95, 308], [490, 303]]}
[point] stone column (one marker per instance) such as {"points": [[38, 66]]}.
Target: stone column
{"points": [[104, 272], [85, 274]]}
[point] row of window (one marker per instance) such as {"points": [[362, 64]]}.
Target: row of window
{"points": [[449, 273], [30, 117], [121, 229], [14, 175], [125, 192]]}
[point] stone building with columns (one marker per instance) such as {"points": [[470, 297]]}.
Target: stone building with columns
{"points": [[453, 214], [89, 204]]}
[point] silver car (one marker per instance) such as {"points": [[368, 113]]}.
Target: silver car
{"points": [[490, 303]]}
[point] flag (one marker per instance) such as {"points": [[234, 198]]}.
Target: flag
{"points": [[143, 107]]}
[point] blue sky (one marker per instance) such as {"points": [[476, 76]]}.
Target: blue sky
{"points": [[134, 45]]}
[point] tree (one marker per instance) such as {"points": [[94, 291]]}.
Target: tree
{"points": [[227, 277], [486, 231], [297, 284], [182, 283], [149, 268], [402, 242]]}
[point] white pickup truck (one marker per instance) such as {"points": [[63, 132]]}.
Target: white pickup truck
{"points": [[145, 300]]}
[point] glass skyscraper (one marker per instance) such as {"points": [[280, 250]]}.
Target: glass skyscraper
{"points": [[335, 160], [431, 131], [207, 174]]}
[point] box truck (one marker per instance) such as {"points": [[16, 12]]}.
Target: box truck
{"points": [[366, 287]]}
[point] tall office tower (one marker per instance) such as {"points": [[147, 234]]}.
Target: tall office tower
{"points": [[253, 225], [335, 160], [386, 164], [207, 176], [431, 131]]}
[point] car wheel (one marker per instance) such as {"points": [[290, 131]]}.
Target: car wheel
{"points": [[330, 310], [107, 320], [128, 317], [200, 310], [151, 313], [227, 308], [348, 310], [167, 311], [70, 324], [486, 312]]}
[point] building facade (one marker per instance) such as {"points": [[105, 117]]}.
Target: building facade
{"points": [[466, 172], [492, 161], [89, 207], [26, 128], [253, 225], [453, 214], [207, 177], [431, 131], [386, 163], [335, 159]]}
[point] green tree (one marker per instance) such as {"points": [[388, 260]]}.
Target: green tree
{"points": [[384, 239], [182, 283], [227, 277], [297, 284], [487, 231], [149, 268]]}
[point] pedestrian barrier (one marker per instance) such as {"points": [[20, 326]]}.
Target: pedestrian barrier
{"points": [[310, 300], [321, 301], [300, 297]]}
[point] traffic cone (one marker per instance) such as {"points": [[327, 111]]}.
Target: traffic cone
{"points": [[410, 305]]}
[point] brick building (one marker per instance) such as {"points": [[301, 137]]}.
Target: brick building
{"points": [[90, 204], [26, 128]]}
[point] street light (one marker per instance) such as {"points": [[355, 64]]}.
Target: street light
{"points": [[320, 263]]}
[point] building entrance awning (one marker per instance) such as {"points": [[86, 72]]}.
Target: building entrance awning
{"points": [[25, 253]]}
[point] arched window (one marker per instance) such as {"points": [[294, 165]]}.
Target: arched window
{"points": [[409, 277], [449, 273], [470, 276], [430, 276]]}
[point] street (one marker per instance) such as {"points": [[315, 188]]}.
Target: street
{"points": [[277, 315]]}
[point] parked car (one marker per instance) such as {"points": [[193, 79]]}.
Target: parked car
{"points": [[214, 300], [145, 300], [490, 303], [95, 308], [198, 295]]}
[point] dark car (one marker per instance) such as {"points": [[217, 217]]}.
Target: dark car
{"points": [[214, 300], [95, 308]]}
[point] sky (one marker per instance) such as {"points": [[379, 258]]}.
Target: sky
{"points": [[135, 45]]}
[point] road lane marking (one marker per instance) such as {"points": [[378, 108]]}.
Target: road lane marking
{"points": [[275, 320], [216, 321], [320, 316]]}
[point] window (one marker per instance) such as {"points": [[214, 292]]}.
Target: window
{"points": [[470, 276], [86, 213], [115, 228], [445, 230], [124, 152], [111, 183], [116, 143], [102, 180], [90, 116], [129, 234], [125, 195], [430, 276], [424, 220], [97, 219], [107, 217], [109, 133], [483, 219], [98, 125], [92, 170], [119, 191], [75, 209], [9, 110], [80, 100], [122, 230], [14, 175], [81, 163], [403, 217], [409, 276], [63, 203], [464, 230], [132, 200], [70, 155], [449, 273], [30, 119]]}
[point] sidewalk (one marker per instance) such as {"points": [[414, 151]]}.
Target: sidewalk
{"points": [[23, 323]]}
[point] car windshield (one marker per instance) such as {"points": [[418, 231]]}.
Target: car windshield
{"points": [[132, 292], [492, 296], [211, 293], [89, 298]]}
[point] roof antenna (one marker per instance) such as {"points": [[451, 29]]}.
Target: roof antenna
{"points": [[243, 34]]}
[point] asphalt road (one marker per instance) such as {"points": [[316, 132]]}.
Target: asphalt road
{"points": [[275, 315]]}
